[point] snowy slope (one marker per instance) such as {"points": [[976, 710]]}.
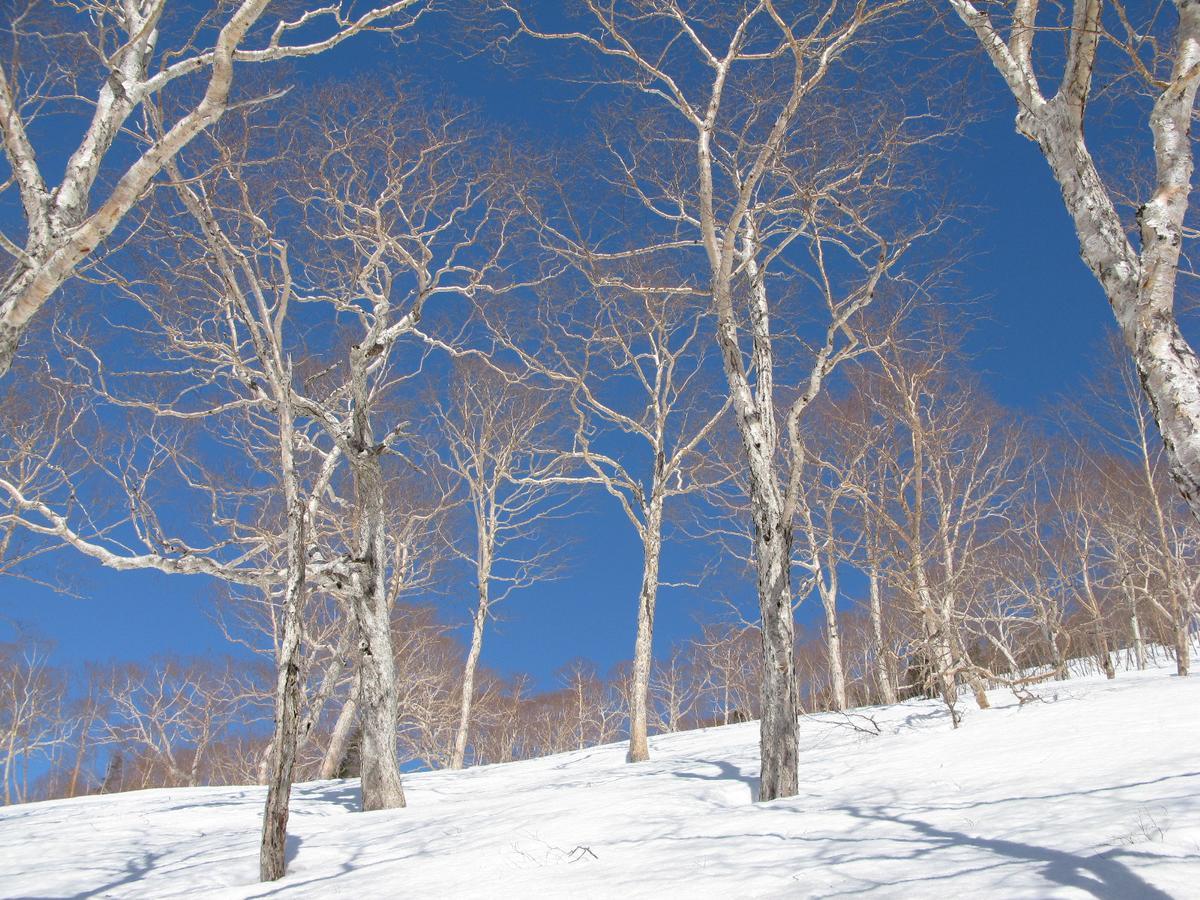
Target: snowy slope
{"points": [[1094, 792]]}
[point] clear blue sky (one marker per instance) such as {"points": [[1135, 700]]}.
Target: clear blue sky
{"points": [[1045, 317]]}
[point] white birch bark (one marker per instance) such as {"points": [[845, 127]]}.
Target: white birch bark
{"points": [[66, 223], [1139, 283]]}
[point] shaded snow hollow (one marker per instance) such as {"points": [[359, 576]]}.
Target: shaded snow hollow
{"points": [[1092, 792]]}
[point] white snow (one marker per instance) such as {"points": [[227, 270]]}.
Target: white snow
{"points": [[1092, 792]]}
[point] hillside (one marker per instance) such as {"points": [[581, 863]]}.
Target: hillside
{"points": [[1092, 791]]}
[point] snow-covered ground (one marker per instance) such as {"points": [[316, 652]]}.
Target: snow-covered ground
{"points": [[1092, 792]]}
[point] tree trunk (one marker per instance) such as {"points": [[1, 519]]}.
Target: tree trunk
{"points": [[1183, 643], [378, 709], [937, 640], [643, 652], [462, 735], [1135, 630], [1141, 290], [377, 696], [883, 671], [779, 735], [273, 850], [331, 763], [833, 638], [755, 416], [1102, 650]]}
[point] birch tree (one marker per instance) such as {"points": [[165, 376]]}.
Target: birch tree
{"points": [[494, 437], [745, 164], [140, 80], [953, 470], [217, 359], [636, 366], [1139, 272], [1149, 538], [33, 721], [406, 215]]}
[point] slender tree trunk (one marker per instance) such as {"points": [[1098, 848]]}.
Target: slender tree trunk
{"points": [[1103, 651], [643, 652], [755, 416], [833, 640], [335, 752], [288, 690], [1135, 630], [462, 735], [1183, 642], [883, 671]]}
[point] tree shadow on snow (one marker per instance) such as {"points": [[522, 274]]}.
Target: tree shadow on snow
{"points": [[726, 771], [135, 870], [348, 795], [291, 849], [1102, 876]]}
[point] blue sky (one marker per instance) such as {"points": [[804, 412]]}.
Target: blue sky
{"points": [[1045, 317]]}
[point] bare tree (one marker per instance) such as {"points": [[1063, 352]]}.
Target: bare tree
{"points": [[103, 63], [405, 217], [1161, 54], [496, 440], [635, 366], [1149, 542], [953, 469], [166, 717], [33, 721], [751, 168]]}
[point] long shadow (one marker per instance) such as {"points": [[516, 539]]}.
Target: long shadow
{"points": [[726, 771], [1101, 876], [347, 795], [135, 870]]}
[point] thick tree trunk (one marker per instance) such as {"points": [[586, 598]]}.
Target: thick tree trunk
{"points": [[643, 650], [377, 695], [779, 735], [378, 709], [1141, 289]]}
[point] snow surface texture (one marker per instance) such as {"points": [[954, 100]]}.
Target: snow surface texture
{"points": [[1094, 791]]}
